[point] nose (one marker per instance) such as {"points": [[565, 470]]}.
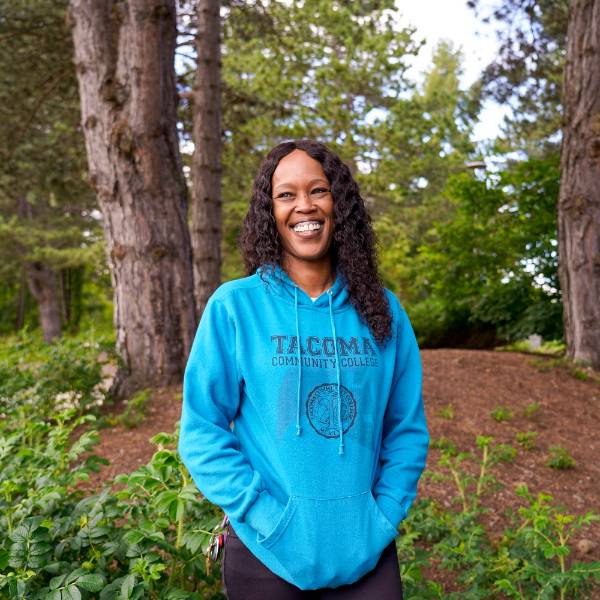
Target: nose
{"points": [[304, 201]]}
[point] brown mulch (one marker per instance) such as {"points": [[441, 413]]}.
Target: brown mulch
{"points": [[473, 383]]}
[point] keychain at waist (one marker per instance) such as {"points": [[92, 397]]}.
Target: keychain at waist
{"points": [[217, 541]]}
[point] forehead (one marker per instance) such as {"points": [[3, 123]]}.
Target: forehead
{"points": [[297, 167]]}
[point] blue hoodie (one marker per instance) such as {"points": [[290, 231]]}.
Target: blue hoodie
{"points": [[328, 440]]}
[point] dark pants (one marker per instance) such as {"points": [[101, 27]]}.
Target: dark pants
{"points": [[244, 577]]}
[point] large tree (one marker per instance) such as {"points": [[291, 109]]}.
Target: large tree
{"points": [[124, 57], [579, 200], [205, 210]]}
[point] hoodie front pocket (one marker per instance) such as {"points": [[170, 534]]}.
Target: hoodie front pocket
{"points": [[280, 526], [329, 542]]}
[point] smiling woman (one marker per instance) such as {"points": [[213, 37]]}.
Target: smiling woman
{"points": [[303, 211], [318, 367]]}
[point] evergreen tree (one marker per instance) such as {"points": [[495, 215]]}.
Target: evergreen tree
{"points": [[50, 235]]}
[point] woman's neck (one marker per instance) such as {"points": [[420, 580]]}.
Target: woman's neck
{"points": [[314, 277]]}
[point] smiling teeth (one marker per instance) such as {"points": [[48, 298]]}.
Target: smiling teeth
{"points": [[307, 226]]}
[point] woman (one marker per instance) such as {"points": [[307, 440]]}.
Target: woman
{"points": [[317, 366]]}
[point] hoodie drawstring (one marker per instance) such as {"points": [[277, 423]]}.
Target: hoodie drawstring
{"points": [[298, 428], [337, 365]]}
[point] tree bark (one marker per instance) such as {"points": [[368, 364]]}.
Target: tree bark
{"points": [[579, 199], [21, 300], [41, 280], [206, 160], [42, 283], [124, 55]]}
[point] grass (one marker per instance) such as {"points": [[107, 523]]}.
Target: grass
{"points": [[549, 348]]}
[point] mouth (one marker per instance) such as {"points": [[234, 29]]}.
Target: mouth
{"points": [[304, 227], [308, 229]]}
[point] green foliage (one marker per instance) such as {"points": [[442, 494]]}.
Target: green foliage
{"points": [[443, 443], [47, 216], [544, 531], [530, 559], [531, 410], [39, 377], [147, 539], [559, 458], [146, 534], [447, 412], [548, 347], [580, 374], [470, 487], [501, 413], [134, 412], [527, 72], [527, 439], [577, 369], [481, 263]]}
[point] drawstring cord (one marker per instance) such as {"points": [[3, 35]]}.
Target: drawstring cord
{"points": [[298, 428], [337, 365]]}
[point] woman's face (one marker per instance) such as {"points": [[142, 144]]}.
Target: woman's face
{"points": [[302, 206]]}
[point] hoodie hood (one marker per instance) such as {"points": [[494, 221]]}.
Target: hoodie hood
{"points": [[332, 299], [282, 285]]}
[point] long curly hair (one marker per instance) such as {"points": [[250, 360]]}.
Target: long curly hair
{"points": [[353, 245]]}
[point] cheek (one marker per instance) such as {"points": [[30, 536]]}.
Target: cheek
{"points": [[280, 218]]}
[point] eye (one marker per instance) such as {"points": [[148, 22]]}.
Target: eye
{"points": [[284, 195], [320, 191]]}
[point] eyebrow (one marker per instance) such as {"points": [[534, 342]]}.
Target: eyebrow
{"points": [[311, 182]]}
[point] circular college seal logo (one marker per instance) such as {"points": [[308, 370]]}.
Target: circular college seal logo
{"points": [[322, 409]]}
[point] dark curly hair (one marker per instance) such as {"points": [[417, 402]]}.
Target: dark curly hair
{"points": [[353, 244]]}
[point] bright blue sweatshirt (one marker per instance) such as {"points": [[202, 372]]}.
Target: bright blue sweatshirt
{"points": [[315, 497]]}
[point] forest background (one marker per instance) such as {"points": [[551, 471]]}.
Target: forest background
{"points": [[472, 252]]}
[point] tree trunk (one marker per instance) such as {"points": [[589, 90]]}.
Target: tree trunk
{"points": [[206, 161], [21, 300], [42, 283], [124, 53], [579, 200]]}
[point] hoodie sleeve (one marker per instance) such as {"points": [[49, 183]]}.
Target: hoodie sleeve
{"points": [[207, 446], [405, 437]]}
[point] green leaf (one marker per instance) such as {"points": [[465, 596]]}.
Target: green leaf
{"points": [[71, 593], [91, 582]]}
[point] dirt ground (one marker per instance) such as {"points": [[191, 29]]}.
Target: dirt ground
{"points": [[461, 388]]}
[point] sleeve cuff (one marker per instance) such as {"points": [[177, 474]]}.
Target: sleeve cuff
{"points": [[264, 513], [394, 512]]}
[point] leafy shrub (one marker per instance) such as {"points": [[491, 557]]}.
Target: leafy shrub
{"points": [[144, 535], [531, 409], [501, 413], [527, 439], [443, 443], [560, 458], [134, 412], [530, 559]]}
